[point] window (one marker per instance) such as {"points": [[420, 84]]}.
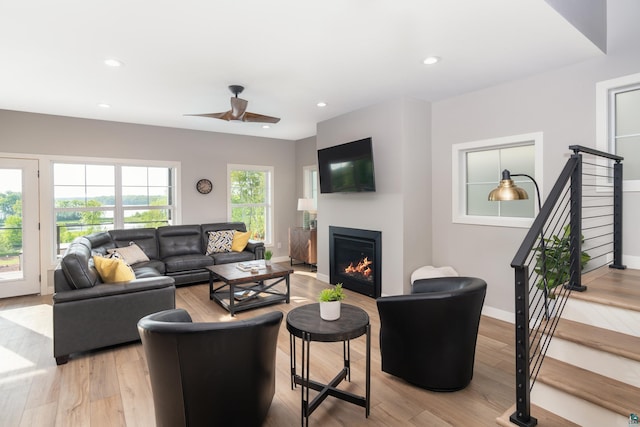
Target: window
{"points": [[310, 182], [618, 124], [477, 169], [97, 197], [251, 199]]}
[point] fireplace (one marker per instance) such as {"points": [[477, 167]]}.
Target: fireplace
{"points": [[355, 259]]}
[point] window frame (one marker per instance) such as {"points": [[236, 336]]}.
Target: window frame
{"points": [[606, 116], [269, 204], [118, 208], [458, 188]]}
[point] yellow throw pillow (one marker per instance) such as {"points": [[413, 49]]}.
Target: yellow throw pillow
{"points": [[240, 241], [113, 270]]}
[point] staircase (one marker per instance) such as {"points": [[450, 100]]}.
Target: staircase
{"points": [[591, 373]]}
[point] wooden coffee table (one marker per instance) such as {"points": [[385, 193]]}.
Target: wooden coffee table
{"points": [[243, 290]]}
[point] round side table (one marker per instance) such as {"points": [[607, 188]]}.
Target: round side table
{"points": [[305, 323]]}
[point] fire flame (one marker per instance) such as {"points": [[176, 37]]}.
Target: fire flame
{"points": [[363, 267]]}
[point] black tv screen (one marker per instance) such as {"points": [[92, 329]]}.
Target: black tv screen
{"points": [[347, 168]]}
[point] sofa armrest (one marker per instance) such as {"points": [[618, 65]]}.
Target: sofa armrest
{"points": [[256, 247]]}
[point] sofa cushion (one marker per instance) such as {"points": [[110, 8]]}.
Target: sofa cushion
{"points": [[144, 237], [225, 258], [240, 241], [113, 270], [220, 241], [152, 263], [176, 240], [219, 226], [131, 254], [187, 262]]}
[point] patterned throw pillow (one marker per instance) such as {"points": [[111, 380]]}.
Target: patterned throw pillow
{"points": [[131, 254], [220, 241]]}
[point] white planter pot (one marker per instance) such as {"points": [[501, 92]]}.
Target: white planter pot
{"points": [[267, 262], [330, 310]]}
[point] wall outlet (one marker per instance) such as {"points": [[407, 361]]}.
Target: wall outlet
{"points": [[279, 245]]}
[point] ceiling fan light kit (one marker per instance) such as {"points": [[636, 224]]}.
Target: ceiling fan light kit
{"points": [[239, 111]]}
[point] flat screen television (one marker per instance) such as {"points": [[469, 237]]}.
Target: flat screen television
{"points": [[347, 168]]}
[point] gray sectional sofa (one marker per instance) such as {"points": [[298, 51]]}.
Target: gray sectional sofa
{"points": [[89, 314]]}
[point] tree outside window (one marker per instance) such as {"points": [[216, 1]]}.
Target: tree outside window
{"points": [[250, 190]]}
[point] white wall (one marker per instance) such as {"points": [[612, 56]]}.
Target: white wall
{"points": [[201, 154], [400, 206], [561, 104]]}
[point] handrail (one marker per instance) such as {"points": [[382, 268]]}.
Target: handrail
{"points": [[548, 264]]}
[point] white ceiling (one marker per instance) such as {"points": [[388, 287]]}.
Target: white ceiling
{"points": [[180, 56]]}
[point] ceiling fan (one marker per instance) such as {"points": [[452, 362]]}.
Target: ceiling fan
{"points": [[239, 110]]}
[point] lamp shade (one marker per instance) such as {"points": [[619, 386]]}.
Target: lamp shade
{"points": [[306, 205], [507, 190]]}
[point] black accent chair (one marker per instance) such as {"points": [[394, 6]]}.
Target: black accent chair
{"points": [[210, 374], [428, 337]]}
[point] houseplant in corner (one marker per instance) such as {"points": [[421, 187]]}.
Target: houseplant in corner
{"points": [[267, 257], [330, 299], [557, 255]]}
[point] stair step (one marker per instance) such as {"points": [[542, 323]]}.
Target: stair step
{"points": [[609, 286], [599, 339], [599, 390]]}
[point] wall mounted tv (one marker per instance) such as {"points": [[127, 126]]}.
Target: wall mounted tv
{"points": [[347, 168]]}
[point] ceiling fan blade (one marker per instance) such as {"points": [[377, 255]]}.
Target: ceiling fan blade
{"points": [[260, 118], [238, 107], [224, 116]]}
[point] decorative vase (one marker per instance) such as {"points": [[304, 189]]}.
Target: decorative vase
{"points": [[330, 310]]}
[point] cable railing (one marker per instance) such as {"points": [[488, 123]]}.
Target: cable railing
{"points": [[578, 229]]}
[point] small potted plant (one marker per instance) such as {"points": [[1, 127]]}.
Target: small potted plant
{"points": [[330, 302], [267, 257]]}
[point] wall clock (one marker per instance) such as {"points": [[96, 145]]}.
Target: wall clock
{"points": [[204, 186]]}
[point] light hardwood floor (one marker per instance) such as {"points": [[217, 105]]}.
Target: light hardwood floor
{"points": [[110, 387]]}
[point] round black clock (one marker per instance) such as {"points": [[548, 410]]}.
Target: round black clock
{"points": [[204, 186]]}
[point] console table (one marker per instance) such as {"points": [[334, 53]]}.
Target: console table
{"points": [[305, 323], [303, 245]]}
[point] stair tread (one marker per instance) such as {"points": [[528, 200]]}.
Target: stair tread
{"points": [[603, 391], [544, 417], [601, 339], [609, 286]]}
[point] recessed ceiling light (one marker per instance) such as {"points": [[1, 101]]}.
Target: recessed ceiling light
{"points": [[430, 60], [104, 105], [321, 104], [265, 126], [112, 62]]}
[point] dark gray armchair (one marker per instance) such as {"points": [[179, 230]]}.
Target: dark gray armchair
{"points": [[428, 337], [210, 374]]}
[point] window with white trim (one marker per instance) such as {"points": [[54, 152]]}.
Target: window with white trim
{"points": [[251, 199], [477, 169], [91, 197], [618, 124], [310, 182]]}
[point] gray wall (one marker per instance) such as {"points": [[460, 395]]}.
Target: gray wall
{"points": [[202, 155], [306, 155], [561, 104], [400, 206]]}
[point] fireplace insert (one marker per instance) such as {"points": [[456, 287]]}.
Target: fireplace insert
{"points": [[355, 259]]}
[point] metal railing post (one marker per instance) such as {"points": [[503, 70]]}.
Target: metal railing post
{"points": [[617, 217], [575, 221], [522, 416]]}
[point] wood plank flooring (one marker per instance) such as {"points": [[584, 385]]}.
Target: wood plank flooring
{"points": [[110, 387]]}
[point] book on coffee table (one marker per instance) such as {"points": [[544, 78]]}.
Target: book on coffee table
{"points": [[248, 266], [243, 295]]}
